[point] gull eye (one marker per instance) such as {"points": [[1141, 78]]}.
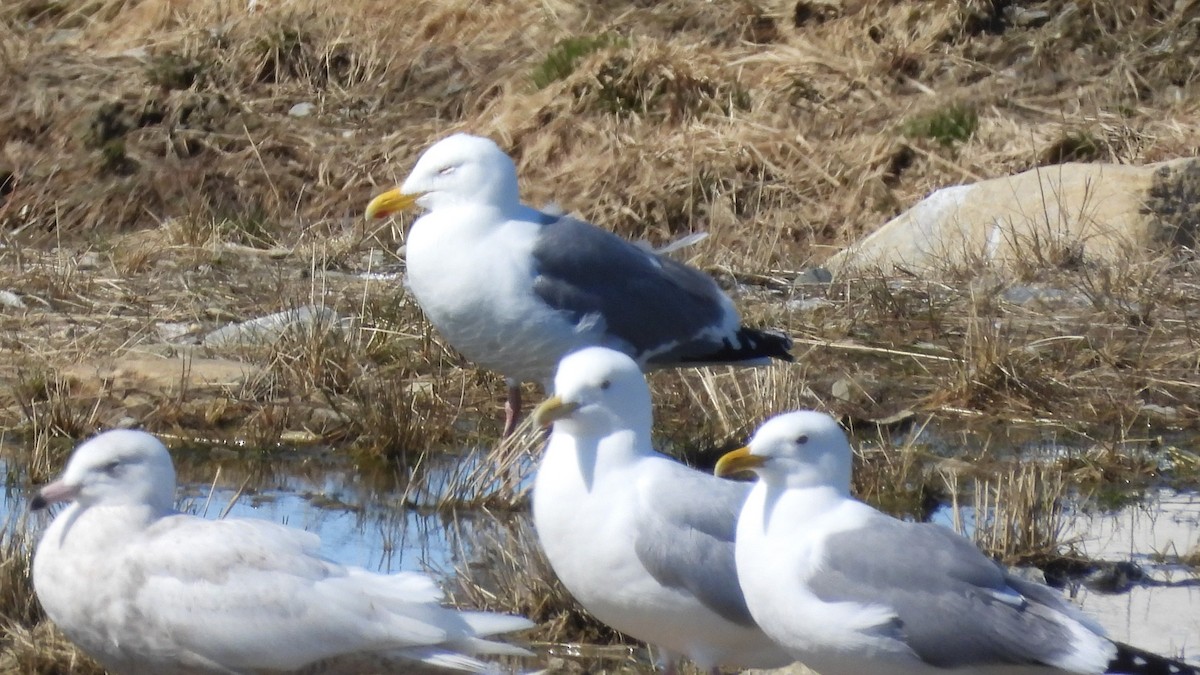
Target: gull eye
{"points": [[801, 439], [446, 170], [606, 384], [112, 468]]}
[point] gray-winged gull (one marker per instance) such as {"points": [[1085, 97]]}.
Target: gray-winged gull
{"points": [[642, 541], [850, 590], [143, 588], [514, 289]]}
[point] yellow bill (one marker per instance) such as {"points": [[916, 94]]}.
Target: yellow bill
{"points": [[737, 461], [392, 201], [551, 410]]}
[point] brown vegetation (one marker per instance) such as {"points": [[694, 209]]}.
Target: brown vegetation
{"points": [[156, 183]]}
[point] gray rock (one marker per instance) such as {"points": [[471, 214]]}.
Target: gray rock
{"points": [[302, 109], [1052, 216], [813, 276], [88, 261], [268, 329], [10, 299]]}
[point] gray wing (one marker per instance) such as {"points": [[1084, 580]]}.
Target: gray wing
{"points": [[955, 606], [686, 539], [653, 303]]}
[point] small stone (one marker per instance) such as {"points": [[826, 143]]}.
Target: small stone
{"points": [[268, 329], [298, 437], [813, 275], [1026, 18], [10, 299], [1160, 411], [374, 259], [126, 422], [168, 330], [88, 261], [302, 109], [845, 389]]}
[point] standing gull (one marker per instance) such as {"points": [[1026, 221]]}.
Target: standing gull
{"points": [[514, 289], [850, 590], [642, 541], [143, 588]]}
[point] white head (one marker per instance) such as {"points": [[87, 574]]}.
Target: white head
{"points": [[795, 450], [119, 467], [459, 169], [598, 391]]}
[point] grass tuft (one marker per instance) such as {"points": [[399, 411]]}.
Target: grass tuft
{"points": [[566, 54], [955, 123]]}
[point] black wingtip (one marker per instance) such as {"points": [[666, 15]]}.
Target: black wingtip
{"points": [[1133, 661], [38, 503], [753, 345], [773, 343]]}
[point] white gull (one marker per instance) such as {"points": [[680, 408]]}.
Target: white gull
{"points": [[143, 588], [850, 590], [642, 541], [514, 289]]}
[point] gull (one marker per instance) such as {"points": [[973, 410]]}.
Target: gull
{"points": [[143, 588], [850, 590], [514, 289], [643, 542]]}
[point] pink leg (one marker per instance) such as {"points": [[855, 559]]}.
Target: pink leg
{"points": [[512, 408]]}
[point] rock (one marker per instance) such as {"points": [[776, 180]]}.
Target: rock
{"points": [[1026, 18], [374, 259], [1114, 577], [302, 109], [813, 276], [268, 329], [11, 300], [1160, 412], [169, 331], [89, 260], [1051, 216], [298, 437]]}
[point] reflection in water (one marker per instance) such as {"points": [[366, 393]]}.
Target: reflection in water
{"points": [[370, 521], [1160, 611]]}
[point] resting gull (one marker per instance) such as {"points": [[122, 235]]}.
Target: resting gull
{"points": [[642, 541], [514, 288], [850, 590], [143, 588]]}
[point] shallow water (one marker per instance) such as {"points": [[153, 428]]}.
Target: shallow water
{"points": [[373, 524]]}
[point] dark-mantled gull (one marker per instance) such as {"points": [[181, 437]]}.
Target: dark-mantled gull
{"points": [[143, 588], [514, 288], [642, 541], [850, 590]]}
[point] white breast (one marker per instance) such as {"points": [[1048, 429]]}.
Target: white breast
{"points": [[475, 286]]}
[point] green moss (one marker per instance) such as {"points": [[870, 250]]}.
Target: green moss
{"points": [[566, 54], [953, 124]]}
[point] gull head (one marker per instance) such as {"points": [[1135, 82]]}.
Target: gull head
{"points": [[459, 169], [799, 449], [597, 391], [120, 467]]}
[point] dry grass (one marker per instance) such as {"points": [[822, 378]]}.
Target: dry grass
{"points": [[154, 187]]}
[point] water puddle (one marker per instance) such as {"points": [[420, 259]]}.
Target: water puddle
{"points": [[372, 523]]}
